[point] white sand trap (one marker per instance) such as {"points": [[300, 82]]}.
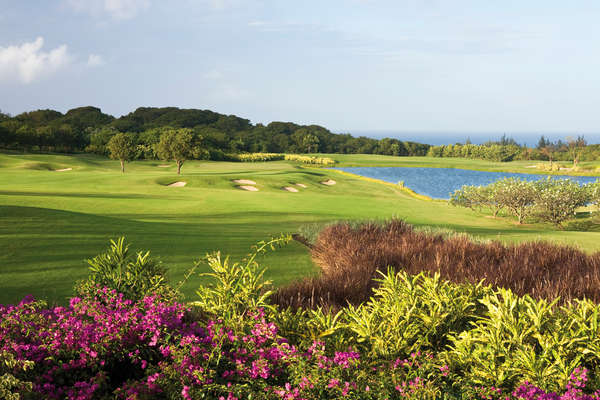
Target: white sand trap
{"points": [[177, 184], [63, 169], [290, 189], [329, 182], [164, 166], [302, 185], [531, 166], [244, 181], [249, 188]]}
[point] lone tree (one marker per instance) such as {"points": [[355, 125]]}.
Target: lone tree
{"points": [[176, 145], [121, 148], [575, 148]]}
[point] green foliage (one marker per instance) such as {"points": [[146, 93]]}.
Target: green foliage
{"points": [[557, 199], [256, 157], [491, 152], [517, 195], [408, 314], [135, 276], [237, 287], [477, 197], [310, 159], [121, 148], [176, 145], [11, 388], [552, 200], [594, 193], [519, 338]]}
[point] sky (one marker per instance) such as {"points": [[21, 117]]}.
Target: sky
{"points": [[374, 67]]}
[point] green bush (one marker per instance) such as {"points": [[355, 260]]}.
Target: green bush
{"points": [[239, 287], [134, 276], [11, 387], [310, 159], [557, 199], [408, 314]]}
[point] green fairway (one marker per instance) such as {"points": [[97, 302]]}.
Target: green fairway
{"points": [[51, 221]]}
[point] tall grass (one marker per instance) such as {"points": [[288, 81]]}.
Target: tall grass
{"points": [[350, 256]]}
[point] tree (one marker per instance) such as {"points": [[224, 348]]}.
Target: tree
{"points": [[548, 150], [176, 145], [122, 148], [557, 199], [575, 148], [594, 193], [311, 143], [517, 195]]}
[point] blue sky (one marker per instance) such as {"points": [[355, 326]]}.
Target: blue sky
{"points": [[350, 65]]}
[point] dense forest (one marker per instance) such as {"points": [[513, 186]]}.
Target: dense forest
{"points": [[216, 135]]}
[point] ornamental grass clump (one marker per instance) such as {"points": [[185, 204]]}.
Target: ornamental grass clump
{"points": [[350, 257]]}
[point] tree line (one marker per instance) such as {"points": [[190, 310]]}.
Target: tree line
{"points": [[573, 149], [214, 135]]}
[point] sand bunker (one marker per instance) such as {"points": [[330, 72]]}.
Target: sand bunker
{"points": [[329, 182], [290, 189], [164, 166], [177, 184], [249, 188], [302, 185], [63, 169], [244, 181], [531, 166]]}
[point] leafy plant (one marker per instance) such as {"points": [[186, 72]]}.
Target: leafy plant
{"points": [[135, 276], [11, 387], [408, 314], [557, 199], [237, 287]]}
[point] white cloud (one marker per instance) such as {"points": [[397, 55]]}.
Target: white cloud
{"points": [[27, 62], [95, 60], [117, 9]]}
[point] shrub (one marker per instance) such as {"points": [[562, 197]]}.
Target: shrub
{"points": [[11, 387], [133, 276], [477, 197], [417, 337], [259, 157], [254, 157], [594, 192], [237, 288], [310, 159], [409, 314], [557, 199], [517, 195]]}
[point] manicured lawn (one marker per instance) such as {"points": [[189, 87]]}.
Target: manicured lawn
{"points": [[50, 222]]}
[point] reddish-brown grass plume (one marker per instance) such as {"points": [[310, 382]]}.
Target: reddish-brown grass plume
{"points": [[349, 258]]}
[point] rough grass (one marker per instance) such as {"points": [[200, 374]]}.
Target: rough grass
{"points": [[350, 256]]}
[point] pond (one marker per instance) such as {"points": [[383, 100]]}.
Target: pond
{"points": [[439, 183]]}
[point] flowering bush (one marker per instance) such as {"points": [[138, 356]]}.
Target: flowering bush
{"points": [[416, 338]]}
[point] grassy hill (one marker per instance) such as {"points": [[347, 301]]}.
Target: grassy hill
{"points": [[50, 221]]}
